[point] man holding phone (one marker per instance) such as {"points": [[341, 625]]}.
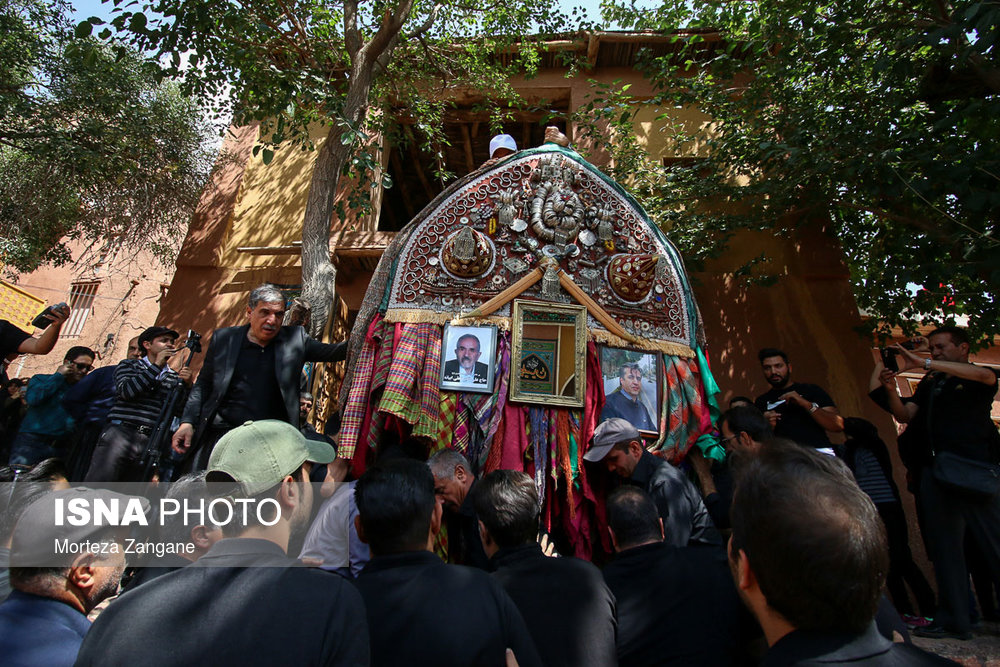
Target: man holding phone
{"points": [[14, 341], [800, 412], [948, 416], [43, 432]]}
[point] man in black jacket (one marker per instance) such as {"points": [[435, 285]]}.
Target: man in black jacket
{"points": [[251, 372], [676, 605], [809, 557], [422, 611], [453, 485], [568, 608]]}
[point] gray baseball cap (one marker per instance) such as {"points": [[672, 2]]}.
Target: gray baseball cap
{"points": [[258, 455], [608, 434]]}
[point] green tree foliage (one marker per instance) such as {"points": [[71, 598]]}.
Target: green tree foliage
{"points": [[92, 145], [349, 67], [878, 119]]}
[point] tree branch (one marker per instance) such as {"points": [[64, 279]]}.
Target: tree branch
{"points": [[427, 24], [352, 37]]}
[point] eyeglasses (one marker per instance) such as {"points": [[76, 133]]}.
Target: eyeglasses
{"points": [[83, 368], [723, 441]]}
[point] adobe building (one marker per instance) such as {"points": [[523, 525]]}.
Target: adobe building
{"points": [[113, 294]]}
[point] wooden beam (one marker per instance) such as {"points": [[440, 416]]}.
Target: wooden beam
{"points": [[470, 163], [397, 166], [593, 47], [601, 315], [504, 297], [415, 156]]}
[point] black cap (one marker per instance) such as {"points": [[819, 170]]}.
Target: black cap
{"points": [[149, 334]]}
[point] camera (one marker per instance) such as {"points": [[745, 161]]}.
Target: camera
{"points": [[193, 341]]}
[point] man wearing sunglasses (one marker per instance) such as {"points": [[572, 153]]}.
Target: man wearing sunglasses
{"points": [[47, 425]]}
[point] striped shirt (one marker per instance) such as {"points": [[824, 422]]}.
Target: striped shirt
{"points": [[141, 390], [871, 477]]}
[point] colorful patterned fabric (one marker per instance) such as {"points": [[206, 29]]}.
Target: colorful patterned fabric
{"points": [[683, 408], [357, 398], [709, 440], [430, 392], [487, 409], [446, 421], [538, 437], [593, 400], [460, 436], [411, 387]]}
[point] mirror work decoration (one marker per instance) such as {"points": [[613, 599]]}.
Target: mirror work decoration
{"points": [[564, 264], [549, 353]]}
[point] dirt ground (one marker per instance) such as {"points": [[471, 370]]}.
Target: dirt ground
{"points": [[983, 650]]}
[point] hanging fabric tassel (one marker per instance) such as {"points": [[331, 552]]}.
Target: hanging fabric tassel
{"points": [[539, 439]]}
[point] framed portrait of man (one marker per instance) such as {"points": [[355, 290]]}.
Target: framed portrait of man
{"points": [[468, 358], [632, 388]]}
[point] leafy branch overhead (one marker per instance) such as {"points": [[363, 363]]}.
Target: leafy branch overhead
{"points": [[876, 119], [309, 71], [91, 145]]}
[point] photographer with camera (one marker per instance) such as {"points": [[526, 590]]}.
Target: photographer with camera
{"points": [[142, 387], [952, 449]]}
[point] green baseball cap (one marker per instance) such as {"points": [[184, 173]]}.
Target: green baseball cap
{"points": [[258, 455]]}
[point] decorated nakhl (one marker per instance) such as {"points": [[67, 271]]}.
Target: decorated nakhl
{"points": [[552, 280]]}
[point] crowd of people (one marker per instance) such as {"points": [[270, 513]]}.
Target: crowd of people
{"points": [[779, 554]]}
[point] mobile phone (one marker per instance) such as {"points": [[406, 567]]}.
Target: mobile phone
{"points": [[889, 359], [41, 320]]}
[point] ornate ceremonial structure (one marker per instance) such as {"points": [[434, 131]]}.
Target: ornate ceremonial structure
{"points": [[517, 245]]}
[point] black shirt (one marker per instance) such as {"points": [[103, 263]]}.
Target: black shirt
{"points": [[422, 611], [796, 424], [676, 605], [569, 609], [827, 648], [464, 545], [954, 415], [718, 503], [253, 393], [11, 338], [217, 611]]}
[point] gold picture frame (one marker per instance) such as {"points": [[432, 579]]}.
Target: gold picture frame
{"points": [[548, 354]]}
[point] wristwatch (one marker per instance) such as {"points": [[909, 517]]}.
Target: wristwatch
{"points": [[814, 408], [927, 363]]}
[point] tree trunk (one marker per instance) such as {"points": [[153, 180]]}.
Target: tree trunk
{"points": [[318, 272]]}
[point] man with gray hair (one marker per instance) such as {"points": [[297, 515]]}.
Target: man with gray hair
{"points": [[251, 372], [453, 483]]}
